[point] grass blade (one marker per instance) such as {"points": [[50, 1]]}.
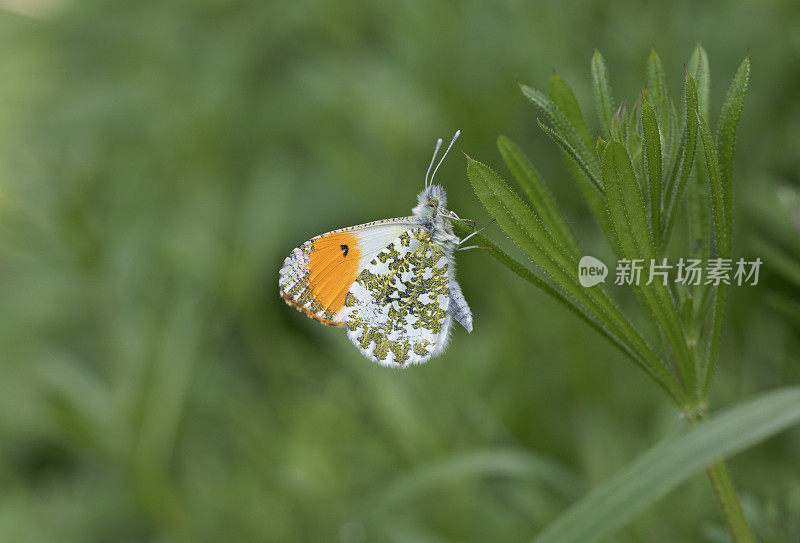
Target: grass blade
{"points": [[652, 162], [541, 198], [517, 464], [668, 464], [601, 86]]}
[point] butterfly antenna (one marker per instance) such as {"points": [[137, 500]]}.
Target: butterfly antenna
{"points": [[435, 152], [455, 137]]}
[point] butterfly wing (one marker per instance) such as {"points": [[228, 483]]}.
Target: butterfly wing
{"points": [[316, 276], [396, 311]]}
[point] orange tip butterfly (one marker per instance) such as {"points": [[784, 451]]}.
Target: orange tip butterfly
{"points": [[390, 283]]}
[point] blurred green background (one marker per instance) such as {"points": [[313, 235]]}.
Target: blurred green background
{"points": [[158, 160]]}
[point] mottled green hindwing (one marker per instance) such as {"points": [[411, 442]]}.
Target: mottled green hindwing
{"points": [[396, 310]]}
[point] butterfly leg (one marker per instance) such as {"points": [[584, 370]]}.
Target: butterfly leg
{"points": [[476, 232], [453, 217]]}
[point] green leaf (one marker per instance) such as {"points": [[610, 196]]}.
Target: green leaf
{"points": [[519, 222], [566, 300], [722, 232], [601, 85], [657, 82], [562, 96], [729, 120], [682, 170], [671, 140], [584, 164], [658, 96], [618, 124], [596, 202], [652, 162], [699, 213], [542, 199], [719, 194], [626, 204], [651, 476], [566, 132], [601, 146], [634, 136], [701, 70], [573, 153], [629, 216], [525, 229]]}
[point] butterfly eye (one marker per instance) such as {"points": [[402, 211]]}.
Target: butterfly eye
{"points": [[433, 202]]}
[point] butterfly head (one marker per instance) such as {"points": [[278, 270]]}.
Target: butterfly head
{"points": [[431, 206]]}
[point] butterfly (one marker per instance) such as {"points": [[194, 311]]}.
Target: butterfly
{"points": [[390, 283]]}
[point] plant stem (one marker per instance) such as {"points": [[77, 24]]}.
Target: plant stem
{"points": [[729, 503], [725, 493]]}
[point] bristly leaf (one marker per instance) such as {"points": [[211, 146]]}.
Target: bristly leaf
{"points": [[542, 199], [701, 71], [527, 231], [719, 196], [564, 299], [658, 97], [520, 223], [629, 215], [656, 80], [562, 96], [618, 124], [601, 146], [563, 127], [652, 164], [680, 174], [596, 201], [626, 203], [581, 161], [728, 121], [722, 232], [573, 153], [601, 85], [634, 138]]}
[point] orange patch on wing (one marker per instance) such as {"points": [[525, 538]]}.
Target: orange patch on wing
{"points": [[332, 268]]}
